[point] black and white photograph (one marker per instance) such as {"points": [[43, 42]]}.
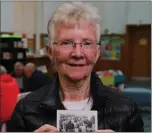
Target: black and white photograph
{"points": [[76, 121]]}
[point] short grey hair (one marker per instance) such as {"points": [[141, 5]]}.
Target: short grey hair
{"points": [[30, 66], [74, 12], [2, 69], [18, 65]]}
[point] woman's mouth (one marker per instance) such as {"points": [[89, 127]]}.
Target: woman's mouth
{"points": [[76, 65]]}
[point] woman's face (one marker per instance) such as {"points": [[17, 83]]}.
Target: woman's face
{"points": [[77, 62], [19, 71]]}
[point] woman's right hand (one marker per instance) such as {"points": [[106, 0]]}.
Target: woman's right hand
{"points": [[46, 128]]}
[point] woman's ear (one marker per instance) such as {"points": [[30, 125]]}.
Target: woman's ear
{"points": [[49, 51], [98, 54]]}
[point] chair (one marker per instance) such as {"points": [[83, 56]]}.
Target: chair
{"points": [[141, 96]]}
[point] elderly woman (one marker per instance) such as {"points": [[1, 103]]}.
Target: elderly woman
{"points": [[74, 31]]}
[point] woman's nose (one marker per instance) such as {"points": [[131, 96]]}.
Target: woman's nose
{"points": [[77, 50]]}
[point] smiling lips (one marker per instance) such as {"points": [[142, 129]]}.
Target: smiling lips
{"points": [[76, 65]]}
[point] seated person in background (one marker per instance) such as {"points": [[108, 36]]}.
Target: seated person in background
{"points": [[8, 94], [35, 78], [18, 69], [18, 74]]}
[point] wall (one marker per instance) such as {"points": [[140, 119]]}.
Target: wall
{"points": [[6, 16], [112, 14], [22, 16], [49, 8], [139, 11], [115, 15], [18, 17]]}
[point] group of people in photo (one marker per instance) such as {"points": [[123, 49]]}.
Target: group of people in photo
{"points": [[75, 123]]}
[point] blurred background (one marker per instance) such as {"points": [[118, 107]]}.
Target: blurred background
{"points": [[125, 61]]}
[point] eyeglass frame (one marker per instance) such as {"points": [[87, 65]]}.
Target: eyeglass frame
{"points": [[74, 43]]}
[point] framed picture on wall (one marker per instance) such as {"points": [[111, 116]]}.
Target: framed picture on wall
{"points": [[111, 46]]}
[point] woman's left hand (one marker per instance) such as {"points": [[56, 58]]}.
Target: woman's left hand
{"points": [[105, 130]]}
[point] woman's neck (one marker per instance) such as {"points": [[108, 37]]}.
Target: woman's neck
{"points": [[74, 91]]}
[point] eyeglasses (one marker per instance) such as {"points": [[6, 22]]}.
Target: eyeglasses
{"points": [[70, 44]]}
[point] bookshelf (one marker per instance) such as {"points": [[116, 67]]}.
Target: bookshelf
{"points": [[11, 51]]}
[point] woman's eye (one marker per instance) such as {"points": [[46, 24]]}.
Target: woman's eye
{"points": [[87, 43], [67, 43]]}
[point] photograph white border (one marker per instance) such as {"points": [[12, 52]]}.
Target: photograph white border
{"points": [[78, 112]]}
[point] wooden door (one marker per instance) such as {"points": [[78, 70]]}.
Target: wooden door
{"points": [[140, 47]]}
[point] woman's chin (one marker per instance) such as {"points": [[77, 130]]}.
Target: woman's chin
{"points": [[77, 75]]}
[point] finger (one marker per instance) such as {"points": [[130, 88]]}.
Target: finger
{"points": [[105, 130], [46, 128], [51, 129]]}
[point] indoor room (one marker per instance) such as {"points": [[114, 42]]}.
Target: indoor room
{"points": [[30, 58]]}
